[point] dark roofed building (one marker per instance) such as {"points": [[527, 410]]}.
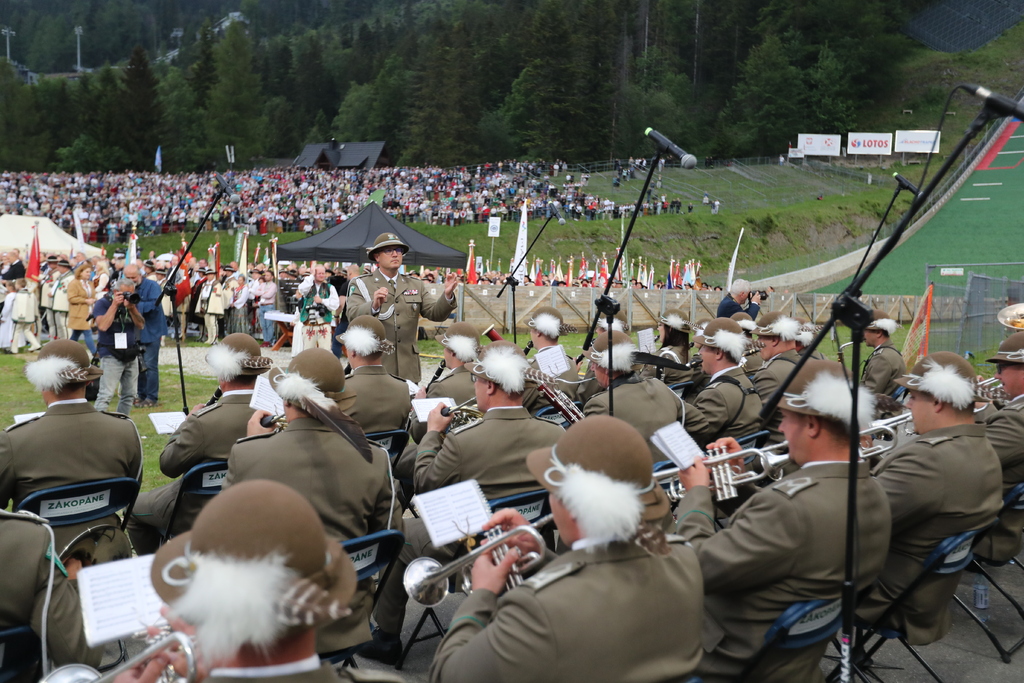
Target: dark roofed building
{"points": [[336, 154]]}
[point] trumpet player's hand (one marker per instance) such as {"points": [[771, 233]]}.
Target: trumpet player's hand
{"points": [[491, 576], [730, 445], [507, 519], [422, 393], [73, 565], [436, 422], [695, 476], [253, 427]]}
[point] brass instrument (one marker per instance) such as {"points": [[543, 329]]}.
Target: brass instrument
{"points": [[80, 673], [463, 414], [1012, 317], [278, 421], [839, 353], [426, 580], [98, 544], [569, 411], [992, 390]]}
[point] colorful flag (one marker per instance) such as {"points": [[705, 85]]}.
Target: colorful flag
{"points": [[668, 280], [34, 264], [79, 233], [519, 262], [471, 277]]}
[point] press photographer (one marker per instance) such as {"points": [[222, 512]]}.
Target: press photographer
{"points": [[119, 322], [740, 299], [318, 302]]}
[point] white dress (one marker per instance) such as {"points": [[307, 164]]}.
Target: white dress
{"points": [[7, 321]]}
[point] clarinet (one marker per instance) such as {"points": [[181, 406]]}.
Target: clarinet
{"points": [[437, 373], [216, 397], [528, 348]]}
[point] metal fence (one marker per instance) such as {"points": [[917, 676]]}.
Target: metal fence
{"points": [[964, 316], [958, 25]]}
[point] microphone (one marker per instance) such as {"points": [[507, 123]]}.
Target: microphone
{"points": [[558, 214], [666, 145], [1000, 104], [219, 182], [234, 199], [906, 184]]}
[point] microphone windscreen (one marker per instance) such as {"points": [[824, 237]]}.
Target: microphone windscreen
{"points": [[235, 199], [689, 161], [561, 221]]}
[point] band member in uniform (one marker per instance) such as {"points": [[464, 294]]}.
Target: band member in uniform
{"points": [[729, 404], [675, 347], [37, 588], [211, 304], [786, 543], [383, 401], [778, 333], [589, 387], [46, 295], [546, 326], [59, 298], [491, 451], [254, 579], [644, 627], [352, 494], [1005, 431], [807, 332], [96, 445], [318, 302], [398, 301], [209, 433], [945, 482], [885, 365], [752, 361], [647, 404]]}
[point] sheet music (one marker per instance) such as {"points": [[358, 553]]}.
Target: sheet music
{"points": [[452, 512], [677, 445], [18, 419], [167, 423], [413, 387], [646, 340], [552, 361], [265, 398], [423, 406], [118, 599]]}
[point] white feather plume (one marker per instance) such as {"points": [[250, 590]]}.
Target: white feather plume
{"points": [[605, 509], [503, 366], [233, 602], [748, 325], [50, 374], [805, 337], [547, 324], [294, 388], [830, 395], [733, 343], [674, 321], [887, 324], [622, 357], [225, 361], [617, 325], [787, 329], [464, 348], [360, 341], [946, 384]]}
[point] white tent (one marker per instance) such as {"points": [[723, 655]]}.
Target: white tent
{"points": [[16, 233]]}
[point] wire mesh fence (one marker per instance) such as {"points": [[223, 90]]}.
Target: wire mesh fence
{"points": [[964, 316], [958, 25]]}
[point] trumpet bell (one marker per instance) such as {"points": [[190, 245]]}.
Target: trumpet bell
{"points": [[426, 593], [1012, 317], [72, 673], [101, 543]]}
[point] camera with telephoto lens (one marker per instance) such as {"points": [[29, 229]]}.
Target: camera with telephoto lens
{"points": [[133, 298], [317, 311]]}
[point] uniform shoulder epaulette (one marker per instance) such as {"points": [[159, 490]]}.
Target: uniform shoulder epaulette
{"points": [[118, 415], [546, 577], [935, 440], [791, 487], [255, 436], [22, 424], [676, 538], [1015, 404], [208, 409]]}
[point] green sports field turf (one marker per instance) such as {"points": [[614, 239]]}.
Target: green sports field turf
{"points": [[982, 223]]}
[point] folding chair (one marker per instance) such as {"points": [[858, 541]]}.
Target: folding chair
{"points": [[551, 414], [754, 440], [949, 557], [205, 479], [393, 441], [19, 652], [1014, 500], [680, 388], [800, 625], [371, 555]]}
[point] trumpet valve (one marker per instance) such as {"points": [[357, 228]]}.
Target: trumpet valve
{"points": [[722, 481]]}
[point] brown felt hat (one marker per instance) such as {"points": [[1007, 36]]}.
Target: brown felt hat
{"points": [[463, 339], [549, 321], [236, 355], [365, 336], [623, 349], [947, 377], [61, 362], [821, 389], [676, 319], [387, 239], [778, 324], [882, 322], [503, 363], [745, 321], [1011, 350], [725, 334], [320, 367]]}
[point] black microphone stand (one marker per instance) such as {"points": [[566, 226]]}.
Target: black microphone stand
{"points": [[513, 282], [856, 315], [170, 288], [605, 304]]}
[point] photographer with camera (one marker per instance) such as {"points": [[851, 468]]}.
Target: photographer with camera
{"points": [[119, 322], [318, 300], [740, 299]]}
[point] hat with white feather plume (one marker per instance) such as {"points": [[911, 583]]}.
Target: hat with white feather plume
{"points": [[236, 355], [622, 350], [727, 335], [821, 388], [365, 336], [503, 363], [313, 375], [882, 322], [947, 377], [463, 340], [60, 363]]}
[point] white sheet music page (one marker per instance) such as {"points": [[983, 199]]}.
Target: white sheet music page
{"points": [[677, 445], [646, 340], [167, 423], [118, 599], [423, 406], [452, 512], [265, 398], [552, 361]]}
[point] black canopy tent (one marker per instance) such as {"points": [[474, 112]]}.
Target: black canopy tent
{"points": [[349, 241]]}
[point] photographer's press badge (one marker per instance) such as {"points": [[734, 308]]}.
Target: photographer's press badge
{"points": [[120, 340]]}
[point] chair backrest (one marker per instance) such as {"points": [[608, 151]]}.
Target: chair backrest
{"points": [[205, 479], [754, 440], [1014, 500], [680, 388], [805, 623], [898, 392], [373, 553], [84, 502], [952, 554], [532, 505], [19, 651], [551, 414], [393, 441]]}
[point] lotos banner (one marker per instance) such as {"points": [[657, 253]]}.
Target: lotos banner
{"points": [[869, 143]]}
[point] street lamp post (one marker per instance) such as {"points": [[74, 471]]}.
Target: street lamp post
{"points": [[7, 34], [78, 40]]}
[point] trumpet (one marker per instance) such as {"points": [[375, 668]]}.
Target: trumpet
{"points": [[426, 579], [724, 478], [80, 673]]}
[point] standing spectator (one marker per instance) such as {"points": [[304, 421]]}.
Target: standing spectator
{"points": [[60, 303], [739, 300], [7, 317], [265, 294], [119, 323], [715, 205], [152, 334], [16, 269], [25, 315], [81, 298]]}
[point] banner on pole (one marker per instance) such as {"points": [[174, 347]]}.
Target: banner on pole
{"points": [[494, 226]]}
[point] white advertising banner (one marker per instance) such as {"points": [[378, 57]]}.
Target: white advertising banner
{"points": [[921, 141], [815, 145], [869, 143], [796, 153]]}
